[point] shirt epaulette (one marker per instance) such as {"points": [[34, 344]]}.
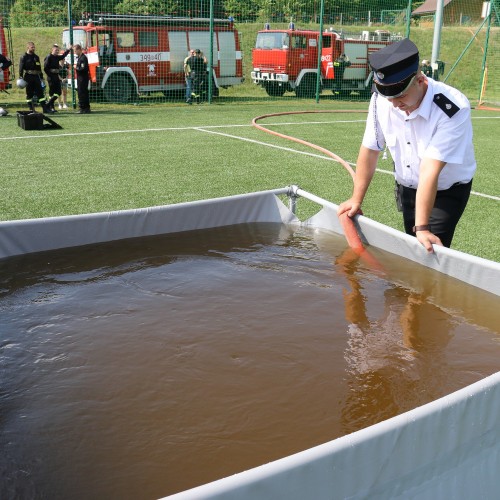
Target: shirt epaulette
{"points": [[449, 107]]}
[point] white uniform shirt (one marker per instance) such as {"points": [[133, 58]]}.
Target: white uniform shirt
{"points": [[428, 132]]}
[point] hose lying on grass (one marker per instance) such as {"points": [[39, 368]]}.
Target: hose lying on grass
{"points": [[306, 143]]}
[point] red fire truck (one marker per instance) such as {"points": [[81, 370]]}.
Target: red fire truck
{"points": [[287, 60], [6, 51], [131, 55]]}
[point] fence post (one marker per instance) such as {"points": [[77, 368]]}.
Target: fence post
{"points": [[72, 54], [320, 49], [485, 54], [210, 59], [408, 18], [438, 23]]}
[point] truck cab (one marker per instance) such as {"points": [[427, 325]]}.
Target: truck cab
{"points": [[279, 57], [287, 61]]}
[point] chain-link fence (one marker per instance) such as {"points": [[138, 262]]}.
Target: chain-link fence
{"points": [[230, 50], [490, 74]]}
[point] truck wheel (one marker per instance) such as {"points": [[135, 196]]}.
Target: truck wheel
{"points": [[274, 90], [118, 89], [307, 87]]}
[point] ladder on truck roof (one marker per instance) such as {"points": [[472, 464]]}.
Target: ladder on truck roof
{"points": [[142, 20]]}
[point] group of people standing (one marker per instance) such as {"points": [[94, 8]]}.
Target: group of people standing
{"points": [[195, 71], [56, 69]]}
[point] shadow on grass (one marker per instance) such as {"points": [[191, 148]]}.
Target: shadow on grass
{"points": [[254, 99], [20, 105]]}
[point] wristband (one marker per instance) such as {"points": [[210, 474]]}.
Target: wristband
{"points": [[425, 227]]}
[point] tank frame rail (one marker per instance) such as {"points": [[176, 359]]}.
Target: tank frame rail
{"points": [[476, 271], [37, 235]]}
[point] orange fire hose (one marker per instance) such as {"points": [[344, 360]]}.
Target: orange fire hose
{"points": [[348, 225], [354, 241], [300, 141]]}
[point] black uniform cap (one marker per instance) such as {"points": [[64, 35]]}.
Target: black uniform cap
{"points": [[394, 66]]}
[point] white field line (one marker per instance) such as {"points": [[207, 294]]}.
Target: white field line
{"points": [[210, 129], [321, 157], [167, 129]]}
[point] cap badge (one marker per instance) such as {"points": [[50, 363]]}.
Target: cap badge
{"points": [[380, 75]]}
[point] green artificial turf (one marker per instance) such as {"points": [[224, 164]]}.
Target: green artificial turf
{"points": [[122, 157]]}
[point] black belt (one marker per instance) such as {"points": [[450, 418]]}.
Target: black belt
{"points": [[459, 183]]}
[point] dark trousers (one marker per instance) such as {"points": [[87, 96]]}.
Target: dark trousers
{"points": [[34, 88], [83, 93], [189, 87], [448, 208], [54, 85], [196, 82], [339, 78]]}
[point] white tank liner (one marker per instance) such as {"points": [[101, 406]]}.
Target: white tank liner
{"points": [[37, 235], [449, 448]]}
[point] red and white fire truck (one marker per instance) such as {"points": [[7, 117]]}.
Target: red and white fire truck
{"points": [[131, 55], [287, 60], [6, 51]]}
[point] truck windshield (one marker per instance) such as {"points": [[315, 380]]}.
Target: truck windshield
{"points": [[270, 40], [79, 36]]}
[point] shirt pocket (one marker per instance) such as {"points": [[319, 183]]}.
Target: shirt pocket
{"points": [[421, 148], [390, 140]]}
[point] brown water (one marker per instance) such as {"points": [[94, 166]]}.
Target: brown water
{"points": [[138, 369]]}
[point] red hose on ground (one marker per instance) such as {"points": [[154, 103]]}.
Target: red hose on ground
{"points": [[300, 141], [348, 226]]}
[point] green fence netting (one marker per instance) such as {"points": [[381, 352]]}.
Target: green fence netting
{"points": [[250, 49]]}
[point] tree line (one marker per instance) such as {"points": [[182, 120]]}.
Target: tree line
{"points": [[40, 13]]}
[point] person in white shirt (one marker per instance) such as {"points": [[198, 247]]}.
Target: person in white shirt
{"points": [[426, 126]]}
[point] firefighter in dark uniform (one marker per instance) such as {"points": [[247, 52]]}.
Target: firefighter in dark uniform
{"points": [[197, 72], [82, 79], [52, 68], [340, 64], [30, 70]]}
